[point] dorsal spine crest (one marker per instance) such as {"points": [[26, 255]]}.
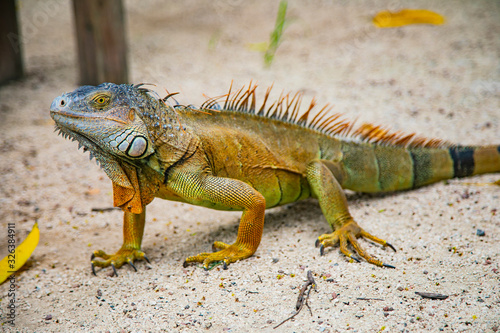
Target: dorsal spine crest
{"points": [[287, 109]]}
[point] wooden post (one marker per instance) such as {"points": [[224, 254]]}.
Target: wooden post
{"points": [[100, 33], [11, 63]]}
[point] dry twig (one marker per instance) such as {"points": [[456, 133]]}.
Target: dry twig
{"points": [[105, 209], [303, 297], [431, 295]]}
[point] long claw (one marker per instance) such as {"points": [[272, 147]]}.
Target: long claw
{"points": [[355, 258], [132, 264], [93, 269], [316, 244], [146, 258], [321, 250], [224, 265], [388, 266], [390, 245], [185, 264], [114, 269], [92, 257]]}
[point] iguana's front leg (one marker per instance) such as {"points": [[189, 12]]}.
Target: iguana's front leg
{"points": [[333, 204], [133, 230], [223, 193]]}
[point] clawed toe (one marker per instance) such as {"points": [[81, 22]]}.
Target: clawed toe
{"points": [[123, 256], [348, 234], [227, 255]]}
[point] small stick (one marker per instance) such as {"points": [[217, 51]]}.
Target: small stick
{"points": [[369, 299], [310, 281], [105, 209], [307, 287], [431, 295]]}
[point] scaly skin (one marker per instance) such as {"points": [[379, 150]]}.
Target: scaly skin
{"points": [[240, 158], [133, 230]]}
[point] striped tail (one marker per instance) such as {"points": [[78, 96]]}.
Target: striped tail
{"points": [[432, 165]]}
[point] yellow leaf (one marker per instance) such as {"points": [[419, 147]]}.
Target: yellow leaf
{"points": [[386, 19], [14, 261]]}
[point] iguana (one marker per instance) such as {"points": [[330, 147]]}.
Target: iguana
{"points": [[240, 157]]}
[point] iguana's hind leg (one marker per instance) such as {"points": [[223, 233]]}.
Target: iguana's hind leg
{"points": [[333, 203], [133, 229]]}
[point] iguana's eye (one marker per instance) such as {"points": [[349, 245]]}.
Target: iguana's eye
{"points": [[101, 100]]}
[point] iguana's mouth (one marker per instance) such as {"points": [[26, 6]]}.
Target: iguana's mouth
{"points": [[71, 114], [65, 123], [83, 141], [64, 114]]}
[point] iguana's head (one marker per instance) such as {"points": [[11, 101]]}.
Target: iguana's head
{"points": [[106, 119]]}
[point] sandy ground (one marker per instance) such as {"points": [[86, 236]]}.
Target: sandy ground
{"points": [[438, 81]]}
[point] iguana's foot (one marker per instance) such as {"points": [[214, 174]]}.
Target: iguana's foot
{"points": [[228, 254], [349, 232], [117, 260]]}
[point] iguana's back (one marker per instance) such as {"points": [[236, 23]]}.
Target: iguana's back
{"points": [[253, 148]]}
